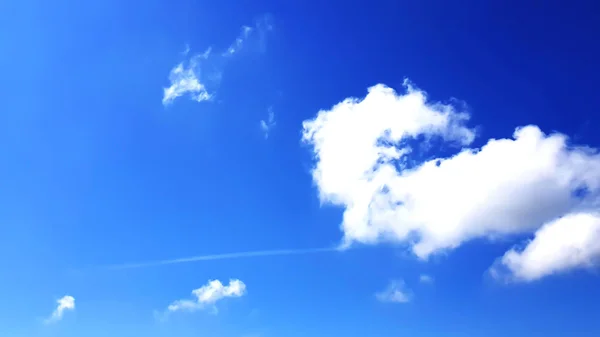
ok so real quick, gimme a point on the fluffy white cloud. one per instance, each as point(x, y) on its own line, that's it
point(508, 186)
point(395, 292)
point(268, 124)
point(64, 304)
point(570, 242)
point(424, 278)
point(209, 295)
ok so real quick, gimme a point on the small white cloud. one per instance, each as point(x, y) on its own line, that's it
point(268, 124)
point(184, 80)
point(508, 186)
point(396, 292)
point(571, 242)
point(186, 50)
point(64, 304)
point(239, 41)
point(200, 77)
point(424, 278)
point(209, 294)
point(254, 37)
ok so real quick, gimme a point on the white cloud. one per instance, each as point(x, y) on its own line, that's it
point(424, 278)
point(209, 294)
point(268, 124)
point(186, 50)
point(201, 75)
point(396, 292)
point(239, 41)
point(64, 304)
point(570, 242)
point(184, 80)
point(508, 186)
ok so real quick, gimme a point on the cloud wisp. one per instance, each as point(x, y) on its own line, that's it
point(513, 186)
point(266, 125)
point(424, 278)
point(185, 79)
point(239, 41)
point(208, 295)
point(226, 256)
point(395, 292)
point(199, 77)
point(66, 303)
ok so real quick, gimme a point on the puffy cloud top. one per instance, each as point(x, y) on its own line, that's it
point(508, 186)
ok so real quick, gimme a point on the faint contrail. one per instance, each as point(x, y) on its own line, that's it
point(224, 257)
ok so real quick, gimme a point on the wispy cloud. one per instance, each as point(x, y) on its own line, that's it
point(208, 295)
point(239, 41)
point(186, 50)
point(424, 278)
point(200, 76)
point(269, 123)
point(396, 292)
point(64, 304)
point(226, 256)
point(184, 80)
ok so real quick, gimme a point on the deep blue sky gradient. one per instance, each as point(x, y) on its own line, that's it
point(94, 170)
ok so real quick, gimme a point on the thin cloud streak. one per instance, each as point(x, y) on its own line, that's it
point(226, 256)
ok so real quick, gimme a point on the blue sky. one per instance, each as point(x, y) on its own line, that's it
point(394, 168)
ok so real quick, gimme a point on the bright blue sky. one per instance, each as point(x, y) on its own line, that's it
point(96, 171)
